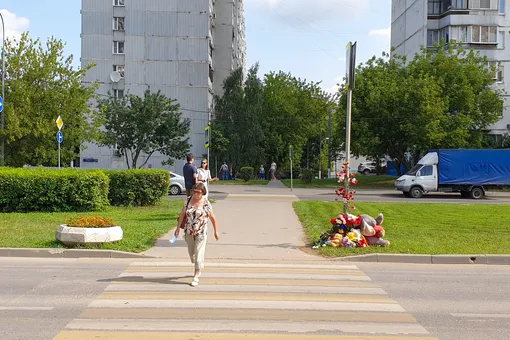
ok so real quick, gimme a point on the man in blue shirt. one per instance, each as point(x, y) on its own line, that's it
point(189, 171)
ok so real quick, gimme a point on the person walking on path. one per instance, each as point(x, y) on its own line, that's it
point(273, 171)
point(224, 171)
point(189, 171)
point(262, 172)
point(194, 218)
point(204, 176)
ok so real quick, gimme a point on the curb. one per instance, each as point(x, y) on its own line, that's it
point(491, 259)
point(67, 253)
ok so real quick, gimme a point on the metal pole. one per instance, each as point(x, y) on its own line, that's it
point(59, 155)
point(3, 86)
point(348, 145)
point(290, 155)
point(329, 143)
point(210, 137)
point(320, 154)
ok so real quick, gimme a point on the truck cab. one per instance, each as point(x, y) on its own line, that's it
point(422, 178)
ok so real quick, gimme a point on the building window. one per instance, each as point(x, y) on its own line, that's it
point(118, 47)
point(459, 4)
point(483, 4)
point(501, 6)
point(485, 34)
point(497, 67)
point(119, 3)
point(118, 93)
point(458, 34)
point(118, 24)
point(120, 69)
point(501, 39)
point(437, 7)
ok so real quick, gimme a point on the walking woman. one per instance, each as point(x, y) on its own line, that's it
point(196, 214)
point(204, 176)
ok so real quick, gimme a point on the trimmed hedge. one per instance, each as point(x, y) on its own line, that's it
point(246, 173)
point(52, 190)
point(137, 186)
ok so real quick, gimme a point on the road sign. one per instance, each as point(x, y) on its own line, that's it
point(1, 104)
point(350, 67)
point(60, 137)
point(60, 123)
point(207, 142)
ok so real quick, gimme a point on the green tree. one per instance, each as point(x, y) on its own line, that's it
point(237, 115)
point(135, 125)
point(42, 84)
point(444, 99)
point(256, 121)
point(295, 113)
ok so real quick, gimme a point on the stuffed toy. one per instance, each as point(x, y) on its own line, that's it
point(373, 231)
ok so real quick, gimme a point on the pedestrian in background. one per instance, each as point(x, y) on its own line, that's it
point(194, 219)
point(273, 171)
point(262, 172)
point(204, 176)
point(189, 171)
point(224, 171)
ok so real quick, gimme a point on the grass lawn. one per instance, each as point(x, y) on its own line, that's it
point(365, 182)
point(417, 228)
point(241, 182)
point(141, 226)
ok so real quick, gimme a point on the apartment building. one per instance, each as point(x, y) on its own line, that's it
point(483, 25)
point(184, 48)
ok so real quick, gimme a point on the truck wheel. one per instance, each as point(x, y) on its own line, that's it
point(477, 193)
point(366, 172)
point(416, 192)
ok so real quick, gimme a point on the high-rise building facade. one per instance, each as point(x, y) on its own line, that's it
point(482, 25)
point(185, 48)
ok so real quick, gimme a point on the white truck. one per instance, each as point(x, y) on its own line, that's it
point(469, 172)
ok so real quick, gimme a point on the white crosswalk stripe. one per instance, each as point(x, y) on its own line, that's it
point(154, 301)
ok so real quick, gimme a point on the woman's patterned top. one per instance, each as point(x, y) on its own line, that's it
point(197, 218)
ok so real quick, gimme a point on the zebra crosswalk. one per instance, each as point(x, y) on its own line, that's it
point(154, 301)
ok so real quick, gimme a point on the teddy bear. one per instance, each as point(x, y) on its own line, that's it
point(373, 231)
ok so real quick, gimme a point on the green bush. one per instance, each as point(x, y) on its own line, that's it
point(306, 175)
point(137, 186)
point(52, 190)
point(246, 173)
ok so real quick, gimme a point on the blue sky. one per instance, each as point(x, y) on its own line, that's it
point(306, 38)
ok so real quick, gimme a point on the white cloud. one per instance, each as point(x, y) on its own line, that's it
point(385, 33)
point(14, 25)
point(304, 13)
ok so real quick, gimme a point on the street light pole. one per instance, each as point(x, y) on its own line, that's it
point(3, 86)
point(329, 143)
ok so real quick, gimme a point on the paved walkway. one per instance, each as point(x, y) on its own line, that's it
point(258, 223)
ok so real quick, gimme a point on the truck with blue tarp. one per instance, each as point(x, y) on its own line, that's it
point(470, 172)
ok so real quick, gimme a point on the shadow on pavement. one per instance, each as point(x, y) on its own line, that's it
point(141, 279)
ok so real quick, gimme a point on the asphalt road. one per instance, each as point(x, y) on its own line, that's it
point(220, 193)
point(453, 302)
point(39, 297)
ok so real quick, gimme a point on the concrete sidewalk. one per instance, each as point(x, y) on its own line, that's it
point(257, 225)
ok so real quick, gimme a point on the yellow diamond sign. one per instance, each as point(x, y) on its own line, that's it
point(60, 123)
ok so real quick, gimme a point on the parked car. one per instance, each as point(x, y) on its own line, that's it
point(176, 184)
point(367, 168)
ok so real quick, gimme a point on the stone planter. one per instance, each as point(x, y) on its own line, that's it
point(71, 236)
